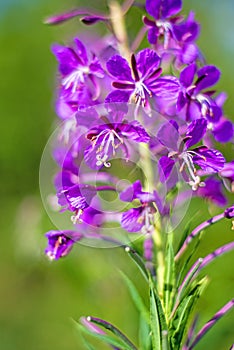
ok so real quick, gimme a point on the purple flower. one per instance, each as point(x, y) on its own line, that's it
point(223, 131)
point(227, 174)
point(198, 103)
point(213, 191)
point(209, 160)
point(60, 243)
point(140, 218)
point(141, 81)
point(165, 26)
point(77, 69)
point(107, 138)
point(76, 199)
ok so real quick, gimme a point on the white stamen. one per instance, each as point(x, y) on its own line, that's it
point(75, 78)
point(107, 142)
point(140, 93)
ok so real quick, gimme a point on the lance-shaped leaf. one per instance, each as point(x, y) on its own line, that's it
point(108, 326)
point(157, 320)
point(137, 299)
point(144, 334)
point(138, 261)
point(179, 322)
point(116, 343)
point(169, 277)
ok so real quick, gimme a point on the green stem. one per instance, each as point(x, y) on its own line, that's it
point(118, 26)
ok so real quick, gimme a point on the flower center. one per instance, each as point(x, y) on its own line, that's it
point(140, 93)
point(108, 141)
point(195, 180)
point(164, 30)
point(205, 105)
point(75, 78)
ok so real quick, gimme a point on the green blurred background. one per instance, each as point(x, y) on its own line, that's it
point(39, 300)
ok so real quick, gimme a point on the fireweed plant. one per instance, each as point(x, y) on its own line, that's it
point(145, 125)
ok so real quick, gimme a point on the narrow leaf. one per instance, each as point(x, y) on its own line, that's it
point(179, 323)
point(110, 327)
point(154, 322)
point(137, 299)
point(144, 335)
point(169, 278)
point(158, 320)
point(138, 261)
point(105, 338)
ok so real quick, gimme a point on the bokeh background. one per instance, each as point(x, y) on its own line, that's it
point(39, 300)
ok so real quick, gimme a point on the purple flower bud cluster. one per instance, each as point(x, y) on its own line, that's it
point(121, 109)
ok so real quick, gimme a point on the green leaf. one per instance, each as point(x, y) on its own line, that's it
point(179, 323)
point(104, 337)
point(144, 335)
point(86, 343)
point(137, 299)
point(110, 327)
point(154, 322)
point(186, 262)
point(169, 277)
point(138, 261)
point(157, 320)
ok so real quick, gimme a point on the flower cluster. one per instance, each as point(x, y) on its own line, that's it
point(124, 110)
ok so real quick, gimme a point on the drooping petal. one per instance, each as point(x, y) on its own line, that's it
point(119, 68)
point(133, 220)
point(189, 53)
point(152, 35)
point(168, 135)
point(134, 131)
point(79, 196)
point(96, 68)
point(166, 87)
point(81, 51)
point(163, 8)
point(210, 75)
point(196, 130)
point(181, 102)
point(170, 7)
point(118, 96)
point(165, 166)
point(210, 160)
point(186, 31)
point(187, 75)
point(223, 131)
point(60, 243)
point(66, 58)
point(147, 62)
point(213, 191)
point(130, 193)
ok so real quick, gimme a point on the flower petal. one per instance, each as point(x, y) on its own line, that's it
point(166, 87)
point(168, 135)
point(132, 220)
point(187, 75)
point(223, 131)
point(165, 166)
point(210, 75)
point(210, 160)
point(147, 62)
point(66, 57)
point(196, 130)
point(134, 131)
point(119, 68)
point(213, 191)
point(163, 8)
point(118, 96)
